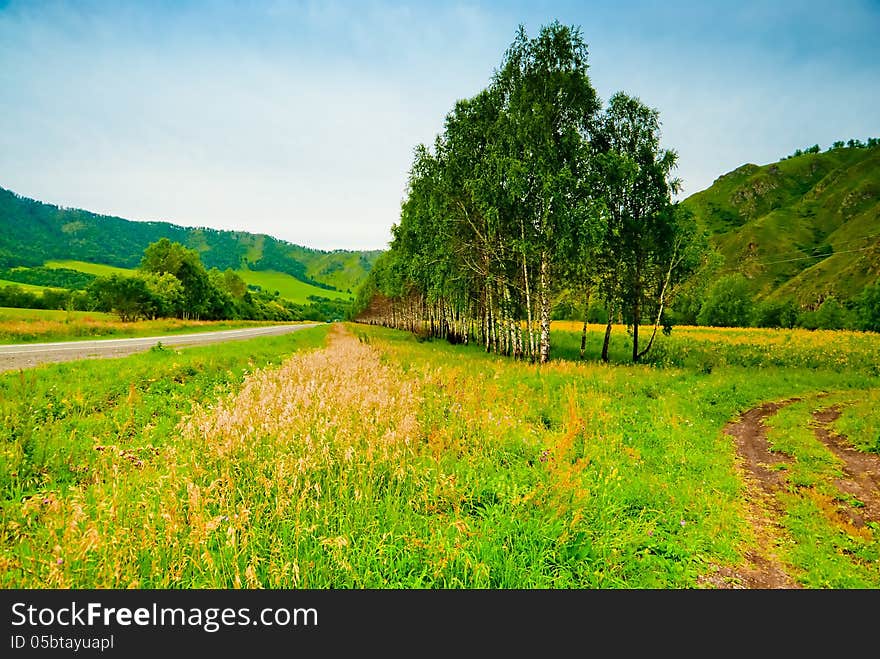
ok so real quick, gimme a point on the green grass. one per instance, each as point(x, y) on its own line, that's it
point(98, 269)
point(40, 325)
point(14, 313)
point(140, 398)
point(344, 271)
point(707, 348)
point(434, 466)
point(860, 421)
point(88, 329)
point(289, 287)
point(660, 499)
point(821, 544)
point(30, 288)
point(72, 430)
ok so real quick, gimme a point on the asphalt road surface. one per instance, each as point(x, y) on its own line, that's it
point(26, 355)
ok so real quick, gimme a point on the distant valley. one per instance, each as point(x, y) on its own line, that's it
point(800, 230)
point(33, 234)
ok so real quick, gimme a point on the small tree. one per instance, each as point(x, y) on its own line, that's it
point(776, 314)
point(167, 292)
point(649, 242)
point(128, 297)
point(868, 308)
point(728, 304)
point(832, 315)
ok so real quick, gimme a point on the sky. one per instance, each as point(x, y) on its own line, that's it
point(299, 119)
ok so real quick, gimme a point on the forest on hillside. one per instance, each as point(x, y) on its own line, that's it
point(170, 282)
point(33, 232)
point(536, 203)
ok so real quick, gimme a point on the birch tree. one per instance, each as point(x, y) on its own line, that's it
point(647, 243)
point(550, 106)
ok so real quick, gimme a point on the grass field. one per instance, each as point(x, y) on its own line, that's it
point(15, 314)
point(358, 457)
point(31, 288)
point(98, 269)
point(709, 347)
point(288, 287)
point(38, 325)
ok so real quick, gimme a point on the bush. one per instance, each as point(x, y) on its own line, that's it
point(728, 303)
point(776, 314)
point(867, 308)
point(830, 315)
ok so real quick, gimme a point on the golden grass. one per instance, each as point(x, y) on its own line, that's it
point(344, 394)
point(44, 329)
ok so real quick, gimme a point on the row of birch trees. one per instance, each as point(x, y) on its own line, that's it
point(532, 189)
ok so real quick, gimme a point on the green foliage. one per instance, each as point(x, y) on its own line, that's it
point(32, 232)
point(173, 283)
point(729, 303)
point(802, 229)
point(868, 308)
point(128, 297)
point(531, 197)
point(771, 313)
point(831, 314)
point(650, 244)
point(53, 277)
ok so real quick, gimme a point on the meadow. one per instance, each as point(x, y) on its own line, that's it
point(288, 287)
point(41, 325)
point(352, 456)
point(97, 269)
point(30, 288)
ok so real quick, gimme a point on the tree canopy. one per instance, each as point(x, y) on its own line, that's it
point(532, 190)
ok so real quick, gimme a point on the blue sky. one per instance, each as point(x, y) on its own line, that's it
point(299, 119)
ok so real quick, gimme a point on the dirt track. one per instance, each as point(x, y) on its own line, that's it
point(763, 569)
point(26, 355)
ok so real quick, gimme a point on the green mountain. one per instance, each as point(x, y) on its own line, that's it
point(803, 229)
point(33, 232)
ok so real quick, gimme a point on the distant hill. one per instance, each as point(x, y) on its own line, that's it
point(33, 232)
point(803, 229)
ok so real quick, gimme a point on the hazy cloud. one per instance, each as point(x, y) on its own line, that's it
point(298, 119)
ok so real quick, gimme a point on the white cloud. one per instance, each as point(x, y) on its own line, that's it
point(299, 119)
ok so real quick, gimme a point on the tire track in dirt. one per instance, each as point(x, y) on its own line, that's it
point(861, 480)
point(861, 470)
point(762, 569)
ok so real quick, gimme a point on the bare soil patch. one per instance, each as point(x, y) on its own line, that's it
point(757, 462)
point(762, 569)
point(862, 470)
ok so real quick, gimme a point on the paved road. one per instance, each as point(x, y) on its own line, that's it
point(26, 355)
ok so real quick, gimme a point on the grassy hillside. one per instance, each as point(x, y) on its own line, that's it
point(97, 269)
point(804, 229)
point(32, 288)
point(32, 232)
point(340, 269)
point(10, 314)
point(288, 287)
